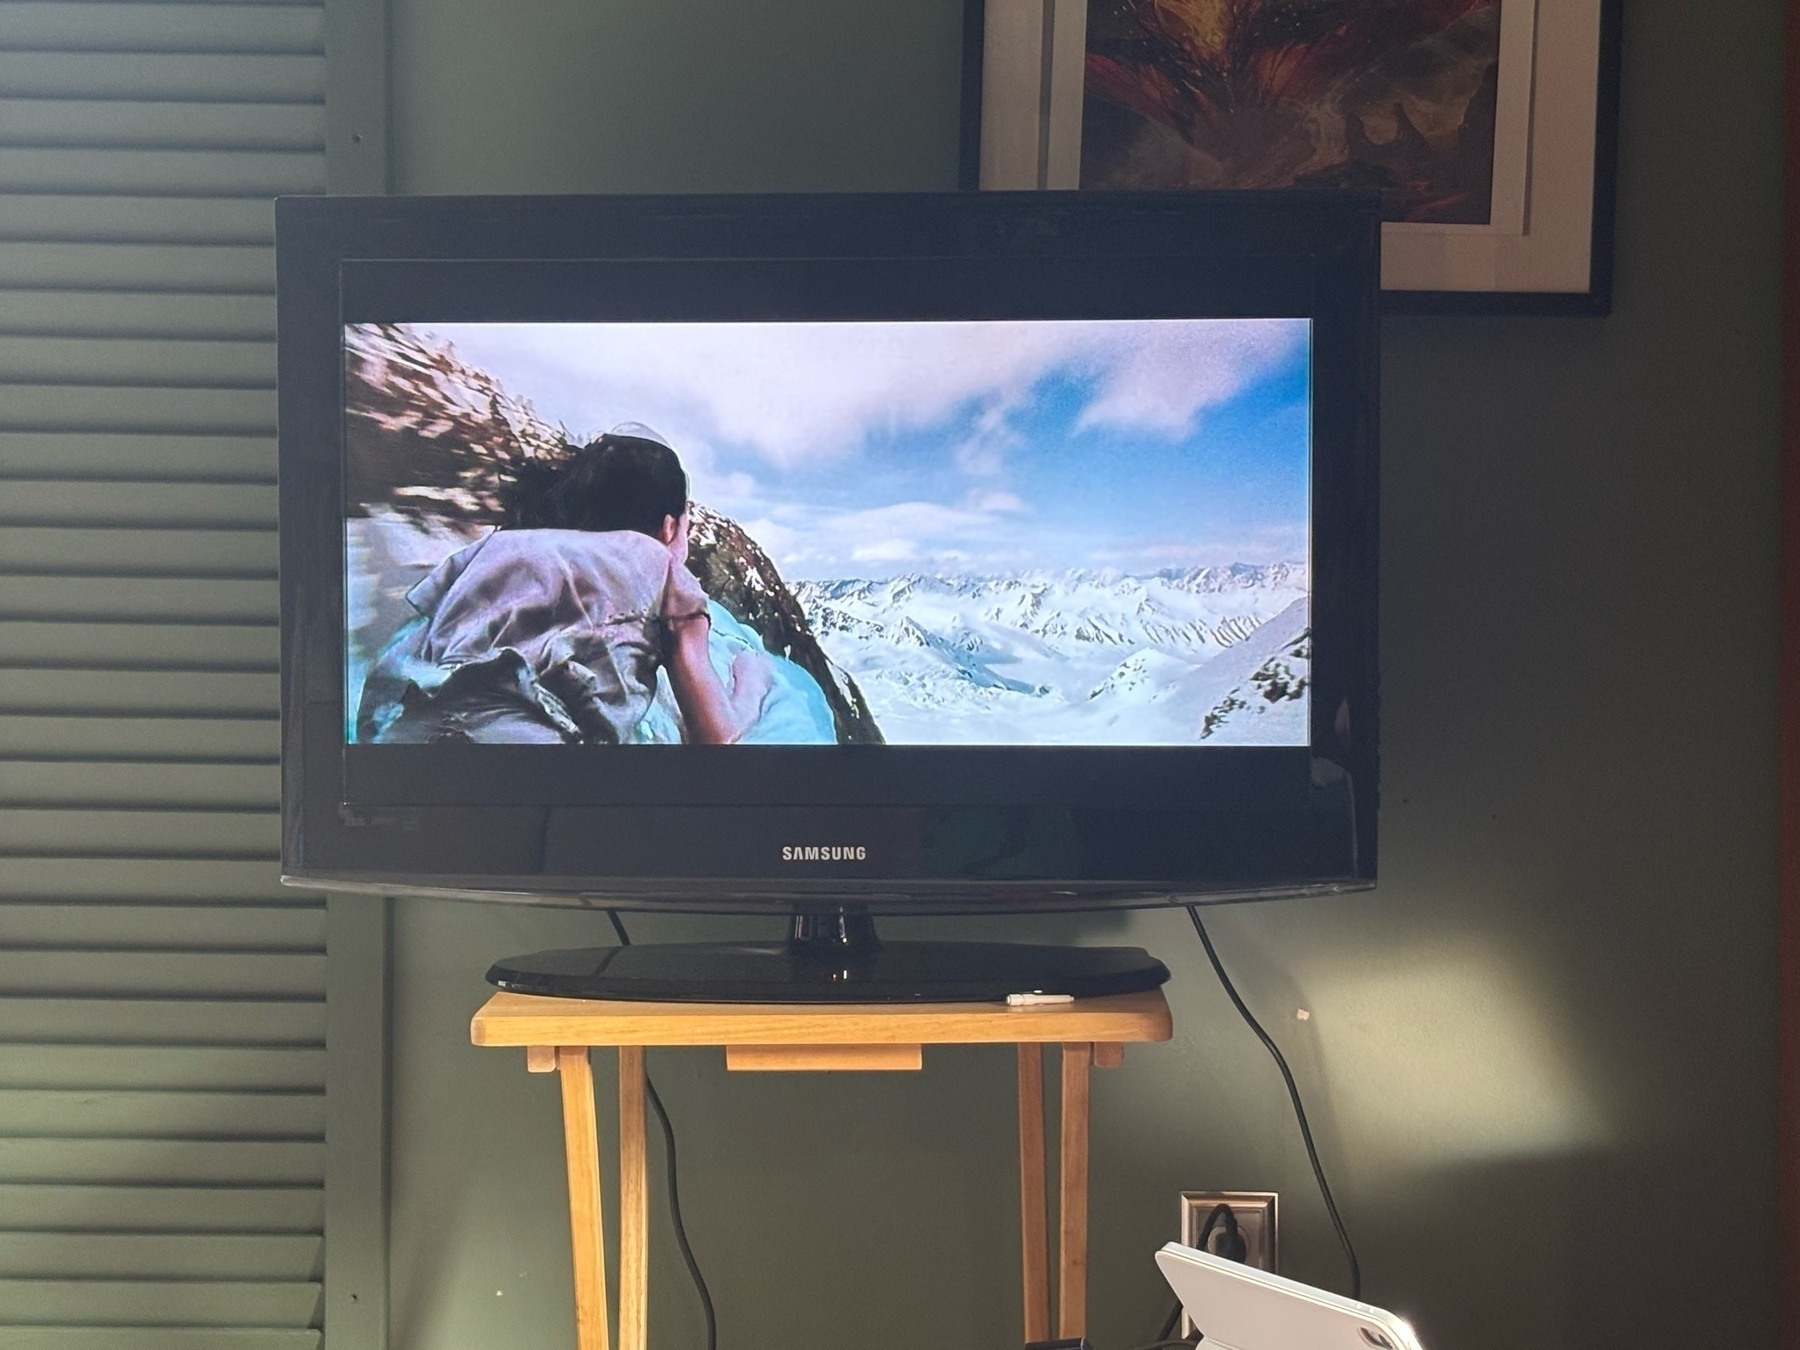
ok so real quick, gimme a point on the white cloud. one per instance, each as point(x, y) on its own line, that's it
point(886, 552)
point(1173, 372)
point(914, 535)
point(982, 454)
point(724, 491)
point(807, 393)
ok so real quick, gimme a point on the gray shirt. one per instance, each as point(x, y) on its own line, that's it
point(532, 635)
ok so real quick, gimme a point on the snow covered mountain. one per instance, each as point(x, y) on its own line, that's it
point(1215, 654)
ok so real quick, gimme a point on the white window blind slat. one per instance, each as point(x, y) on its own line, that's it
point(83, 1210)
point(160, 1162)
point(47, 501)
point(164, 1256)
point(175, 1068)
point(228, 173)
point(127, 833)
point(119, 784)
point(161, 125)
point(137, 600)
point(160, 1338)
point(242, 648)
point(170, 219)
point(110, 552)
point(219, 462)
point(165, 1302)
point(95, 25)
point(144, 1020)
point(39, 737)
point(75, 692)
point(181, 77)
point(234, 926)
point(136, 314)
point(138, 1113)
point(51, 265)
point(171, 362)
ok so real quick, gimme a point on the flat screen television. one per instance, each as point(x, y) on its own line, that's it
point(834, 554)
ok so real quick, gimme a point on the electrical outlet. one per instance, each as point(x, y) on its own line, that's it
point(1256, 1213)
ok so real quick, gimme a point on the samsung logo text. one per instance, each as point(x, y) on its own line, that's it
point(824, 853)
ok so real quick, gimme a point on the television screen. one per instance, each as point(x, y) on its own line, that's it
point(1030, 533)
point(934, 551)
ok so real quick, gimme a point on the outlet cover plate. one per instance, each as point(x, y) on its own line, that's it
point(1257, 1214)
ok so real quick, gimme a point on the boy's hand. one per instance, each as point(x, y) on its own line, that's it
point(751, 680)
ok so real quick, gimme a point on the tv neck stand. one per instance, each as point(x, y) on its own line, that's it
point(832, 933)
point(831, 955)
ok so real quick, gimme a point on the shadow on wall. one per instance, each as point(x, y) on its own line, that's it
point(1426, 1066)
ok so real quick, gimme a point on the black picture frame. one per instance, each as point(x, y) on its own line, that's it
point(1594, 301)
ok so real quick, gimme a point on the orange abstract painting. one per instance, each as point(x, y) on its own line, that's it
point(1395, 95)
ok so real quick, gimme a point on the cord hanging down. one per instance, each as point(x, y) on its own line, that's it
point(1287, 1076)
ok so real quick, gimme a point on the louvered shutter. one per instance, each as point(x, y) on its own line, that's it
point(162, 997)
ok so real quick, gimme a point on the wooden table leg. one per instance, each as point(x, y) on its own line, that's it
point(581, 1147)
point(634, 1204)
point(1034, 1233)
point(1072, 1253)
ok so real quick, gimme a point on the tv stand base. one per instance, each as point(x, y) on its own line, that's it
point(831, 956)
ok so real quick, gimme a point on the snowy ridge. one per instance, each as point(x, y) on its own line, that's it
point(1255, 694)
point(1075, 658)
point(1235, 629)
point(1237, 577)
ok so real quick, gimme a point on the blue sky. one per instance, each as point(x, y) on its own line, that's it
point(866, 450)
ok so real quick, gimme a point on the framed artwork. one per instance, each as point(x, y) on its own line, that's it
point(1488, 126)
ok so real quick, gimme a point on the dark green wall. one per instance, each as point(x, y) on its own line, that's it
point(1539, 1058)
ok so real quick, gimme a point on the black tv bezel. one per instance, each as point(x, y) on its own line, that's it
point(941, 827)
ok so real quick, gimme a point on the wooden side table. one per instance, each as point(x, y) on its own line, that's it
point(557, 1034)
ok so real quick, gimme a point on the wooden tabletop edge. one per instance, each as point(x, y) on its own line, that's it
point(521, 1020)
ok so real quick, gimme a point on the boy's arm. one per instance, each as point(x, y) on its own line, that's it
point(713, 715)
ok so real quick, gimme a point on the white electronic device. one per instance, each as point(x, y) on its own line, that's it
point(1237, 1307)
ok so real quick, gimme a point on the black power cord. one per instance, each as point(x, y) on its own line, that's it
point(1167, 1329)
point(1165, 1334)
point(1312, 1152)
point(668, 1132)
point(1234, 1250)
point(1234, 1247)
